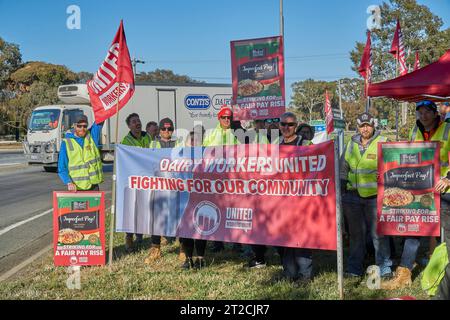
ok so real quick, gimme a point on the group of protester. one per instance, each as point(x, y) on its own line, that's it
point(80, 169)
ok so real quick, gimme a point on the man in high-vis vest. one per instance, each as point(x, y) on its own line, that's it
point(140, 139)
point(222, 135)
point(136, 137)
point(79, 162)
point(429, 127)
point(359, 183)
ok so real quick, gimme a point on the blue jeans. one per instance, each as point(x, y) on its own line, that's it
point(297, 263)
point(361, 214)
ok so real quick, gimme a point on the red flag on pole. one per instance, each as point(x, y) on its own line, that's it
point(113, 80)
point(398, 50)
point(328, 114)
point(417, 62)
point(365, 68)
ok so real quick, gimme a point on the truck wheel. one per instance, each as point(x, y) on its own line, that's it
point(50, 169)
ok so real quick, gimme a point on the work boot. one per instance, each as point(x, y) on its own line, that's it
point(154, 254)
point(182, 254)
point(401, 279)
point(129, 243)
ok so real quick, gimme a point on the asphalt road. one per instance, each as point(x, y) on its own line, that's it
point(25, 209)
point(11, 157)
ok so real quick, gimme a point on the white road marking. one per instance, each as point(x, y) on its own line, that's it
point(15, 225)
point(11, 164)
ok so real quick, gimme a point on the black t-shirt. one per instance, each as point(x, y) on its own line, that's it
point(296, 142)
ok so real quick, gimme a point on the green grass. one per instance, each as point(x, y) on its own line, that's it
point(224, 278)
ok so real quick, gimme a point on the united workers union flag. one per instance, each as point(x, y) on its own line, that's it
point(114, 81)
point(267, 194)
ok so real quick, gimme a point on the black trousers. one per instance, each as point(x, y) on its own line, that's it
point(443, 292)
point(189, 244)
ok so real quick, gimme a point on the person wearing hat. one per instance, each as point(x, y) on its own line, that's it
point(429, 127)
point(166, 129)
point(358, 175)
point(222, 135)
point(79, 161)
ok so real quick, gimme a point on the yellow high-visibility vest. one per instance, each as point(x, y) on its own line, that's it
point(85, 164)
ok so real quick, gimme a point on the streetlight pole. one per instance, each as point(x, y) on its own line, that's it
point(135, 61)
point(281, 19)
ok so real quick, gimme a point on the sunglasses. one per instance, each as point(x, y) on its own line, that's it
point(289, 124)
point(275, 120)
point(166, 129)
point(225, 118)
point(84, 126)
point(425, 103)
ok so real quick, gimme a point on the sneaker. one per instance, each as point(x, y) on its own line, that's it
point(387, 276)
point(199, 263)
point(188, 264)
point(254, 264)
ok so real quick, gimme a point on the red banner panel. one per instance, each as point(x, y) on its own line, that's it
point(407, 202)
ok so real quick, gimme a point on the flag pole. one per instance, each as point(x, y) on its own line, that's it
point(340, 252)
point(114, 179)
point(397, 107)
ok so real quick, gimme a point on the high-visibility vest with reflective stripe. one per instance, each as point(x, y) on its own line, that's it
point(142, 142)
point(85, 164)
point(440, 135)
point(154, 144)
point(220, 137)
point(363, 169)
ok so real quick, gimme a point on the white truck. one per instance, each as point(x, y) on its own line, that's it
point(183, 103)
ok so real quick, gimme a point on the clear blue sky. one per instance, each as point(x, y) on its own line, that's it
point(192, 37)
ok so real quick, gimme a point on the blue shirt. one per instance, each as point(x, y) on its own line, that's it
point(63, 160)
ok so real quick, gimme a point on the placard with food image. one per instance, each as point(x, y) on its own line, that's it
point(78, 228)
point(407, 202)
point(258, 78)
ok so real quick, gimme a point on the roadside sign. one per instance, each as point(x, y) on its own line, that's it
point(78, 228)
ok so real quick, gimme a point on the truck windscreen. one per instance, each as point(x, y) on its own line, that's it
point(46, 119)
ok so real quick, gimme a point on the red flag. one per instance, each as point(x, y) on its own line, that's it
point(114, 79)
point(365, 68)
point(328, 114)
point(398, 50)
point(417, 62)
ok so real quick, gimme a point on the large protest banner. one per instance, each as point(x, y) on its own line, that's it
point(257, 68)
point(79, 228)
point(274, 195)
point(407, 202)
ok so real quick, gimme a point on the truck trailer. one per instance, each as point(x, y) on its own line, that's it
point(186, 104)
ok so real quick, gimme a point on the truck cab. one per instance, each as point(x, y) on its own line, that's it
point(48, 125)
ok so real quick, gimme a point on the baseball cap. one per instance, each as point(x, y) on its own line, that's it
point(426, 103)
point(81, 118)
point(166, 123)
point(225, 111)
point(365, 118)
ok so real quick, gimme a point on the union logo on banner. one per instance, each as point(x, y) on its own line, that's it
point(113, 83)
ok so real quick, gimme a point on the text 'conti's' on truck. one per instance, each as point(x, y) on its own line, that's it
point(185, 104)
